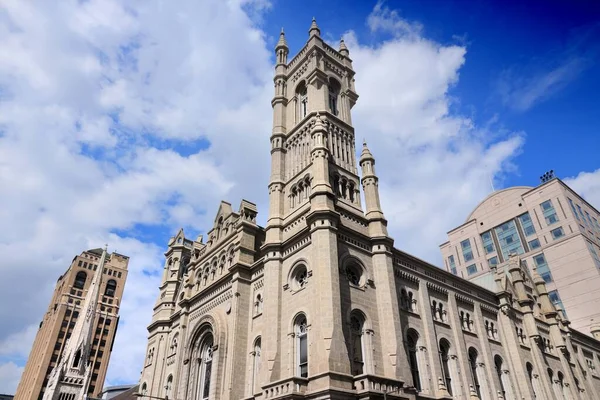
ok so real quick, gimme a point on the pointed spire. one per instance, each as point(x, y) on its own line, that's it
point(343, 49)
point(282, 42)
point(366, 154)
point(314, 29)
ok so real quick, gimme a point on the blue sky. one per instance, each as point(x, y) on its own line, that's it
point(121, 123)
point(512, 41)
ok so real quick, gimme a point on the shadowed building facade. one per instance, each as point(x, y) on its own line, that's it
point(319, 304)
point(551, 228)
point(65, 329)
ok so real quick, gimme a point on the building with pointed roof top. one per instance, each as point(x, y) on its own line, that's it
point(319, 304)
point(71, 351)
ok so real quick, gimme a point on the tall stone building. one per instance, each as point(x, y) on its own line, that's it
point(320, 305)
point(552, 228)
point(77, 331)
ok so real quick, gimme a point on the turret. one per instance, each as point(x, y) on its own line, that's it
point(282, 50)
point(370, 183)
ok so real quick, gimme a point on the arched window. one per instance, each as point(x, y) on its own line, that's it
point(219, 227)
point(356, 335)
point(144, 389)
point(258, 305)
point(301, 329)
point(334, 93)
point(111, 287)
point(561, 383)
point(498, 365)
point(529, 368)
point(80, 280)
point(168, 387)
point(302, 94)
point(473, 364)
point(444, 350)
point(205, 367)
point(411, 345)
point(77, 359)
point(174, 344)
point(256, 370)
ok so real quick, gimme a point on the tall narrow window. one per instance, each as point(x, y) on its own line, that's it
point(302, 95)
point(466, 250)
point(334, 92)
point(473, 365)
point(549, 212)
point(498, 364)
point(144, 389)
point(205, 368)
point(302, 346)
point(77, 359)
point(411, 343)
point(80, 280)
point(168, 387)
point(257, 355)
point(444, 349)
point(542, 268)
point(111, 287)
point(527, 224)
point(356, 334)
point(452, 264)
point(530, 376)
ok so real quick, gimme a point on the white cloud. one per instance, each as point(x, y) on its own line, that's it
point(96, 99)
point(587, 185)
point(10, 374)
point(521, 90)
point(434, 164)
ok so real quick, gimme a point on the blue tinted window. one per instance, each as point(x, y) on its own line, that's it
point(549, 212)
point(471, 269)
point(492, 262)
point(527, 224)
point(466, 249)
point(573, 208)
point(542, 268)
point(508, 239)
point(557, 233)
point(488, 242)
point(534, 244)
point(452, 264)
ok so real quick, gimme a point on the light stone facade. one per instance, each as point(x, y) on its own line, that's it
point(551, 228)
point(320, 305)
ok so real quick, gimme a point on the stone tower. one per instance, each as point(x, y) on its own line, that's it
point(315, 202)
point(70, 378)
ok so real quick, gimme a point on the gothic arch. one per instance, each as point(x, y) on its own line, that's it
point(215, 322)
point(297, 313)
point(347, 260)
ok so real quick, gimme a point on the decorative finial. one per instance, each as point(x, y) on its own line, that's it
point(106, 247)
point(314, 29)
point(281, 43)
point(343, 49)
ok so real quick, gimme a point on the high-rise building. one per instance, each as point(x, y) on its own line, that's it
point(551, 228)
point(66, 334)
point(319, 304)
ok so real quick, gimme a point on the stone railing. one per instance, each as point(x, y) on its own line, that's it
point(285, 387)
point(369, 383)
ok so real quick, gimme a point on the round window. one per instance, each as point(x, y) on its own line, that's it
point(354, 274)
point(300, 277)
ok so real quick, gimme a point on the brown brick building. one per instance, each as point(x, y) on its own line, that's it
point(60, 319)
